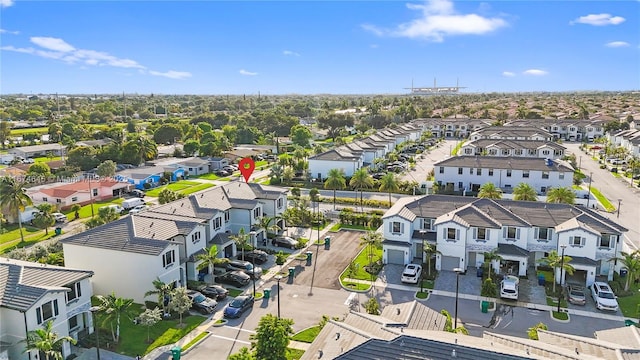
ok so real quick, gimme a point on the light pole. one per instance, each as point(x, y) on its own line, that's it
point(589, 194)
point(619, 202)
point(561, 273)
point(278, 277)
point(253, 266)
point(94, 310)
point(458, 271)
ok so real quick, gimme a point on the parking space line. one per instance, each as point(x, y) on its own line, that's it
point(350, 299)
point(230, 339)
point(239, 329)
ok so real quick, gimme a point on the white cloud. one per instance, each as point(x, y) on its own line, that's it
point(4, 31)
point(6, 3)
point(439, 20)
point(508, 74)
point(599, 20)
point(247, 73)
point(171, 74)
point(615, 44)
point(535, 72)
point(54, 44)
point(374, 46)
point(290, 53)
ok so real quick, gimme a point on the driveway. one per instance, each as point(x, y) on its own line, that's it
point(424, 161)
point(469, 283)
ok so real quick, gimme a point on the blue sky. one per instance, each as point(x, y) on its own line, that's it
point(313, 47)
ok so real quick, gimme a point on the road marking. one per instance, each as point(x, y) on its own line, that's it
point(231, 339)
point(239, 329)
point(350, 299)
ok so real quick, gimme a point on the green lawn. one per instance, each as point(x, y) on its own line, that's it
point(339, 226)
point(294, 354)
point(560, 315)
point(11, 239)
point(85, 211)
point(615, 174)
point(194, 341)
point(422, 295)
point(46, 159)
point(210, 176)
point(603, 200)
point(307, 335)
point(356, 286)
point(34, 130)
point(196, 188)
point(554, 302)
point(630, 305)
point(176, 186)
point(361, 261)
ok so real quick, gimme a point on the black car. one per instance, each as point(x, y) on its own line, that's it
point(236, 278)
point(239, 305)
point(214, 291)
point(201, 303)
point(255, 256)
point(137, 193)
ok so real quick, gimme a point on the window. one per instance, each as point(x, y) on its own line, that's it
point(505, 151)
point(478, 171)
point(490, 172)
point(196, 237)
point(45, 199)
point(519, 152)
point(227, 216)
point(459, 171)
point(169, 258)
point(543, 234)
point(467, 151)
point(441, 170)
point(73, 322)
point(47, 311)
point(59, 201)
point(480, 233)
point(397, 227)
point(607, 241)
point(493, 151)
point(95, 192)
point(511, 233)
point(545, 152)
point(257, 212)
point(427, 224)
point(471, 171)
point(217, 223)
point(280, 203)
point(525, 173)
point(543, 189)
point(74, 293)
point(509, 173)
point(74, 199)
point(576, 241)
point(545, 174)
point(450, 234)
point(561, 176)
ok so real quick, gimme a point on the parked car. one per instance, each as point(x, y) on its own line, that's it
point(214, 291)
point(603, 296)
point(236, 278)
point(255, 256)
point(138, 209)
point(223, 173)
point(509, 287)
point(575, 294)
point(28, 161)
point(245, 266)
point(411, 274)
point(117, 208)
point(137, 193)
point(285, 241)
point(238, 306)
point(59, 217)
point(201, 303)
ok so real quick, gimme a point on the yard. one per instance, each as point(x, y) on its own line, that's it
point(10, 237)
point(357, 270)
point(183, 186)
point(85, 211)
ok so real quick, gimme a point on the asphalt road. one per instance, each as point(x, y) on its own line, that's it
point(424, 161)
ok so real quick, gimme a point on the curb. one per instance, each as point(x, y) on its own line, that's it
point(415, 295)
point(196, 343)
point(560, 320)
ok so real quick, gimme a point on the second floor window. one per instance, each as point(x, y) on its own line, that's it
point(74, 293)
point(509, 173)
point(525, 173)
point(511, 233)
point(47, 311)
point(545, 174)
point(490, 172)
point(480, 233)
point(543, 234)
point(217, 223)
point(397, 227)
point(280, 203)
point(607, 241)
point(427, 224)
point(257, 212)
point(169, 258)
point(577, 241)
point(478, 171)
point(196, 237)
point(459, 171)
point(227, 216)
point(441, 170)
point(451, 234)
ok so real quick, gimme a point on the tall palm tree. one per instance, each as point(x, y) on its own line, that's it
point(114, 309)
point(562, 195)
point(264, 222)
point(429, 250)
point(524, 191)
point(389, 183)
point(632, 262)
point(371, 240)
point(45, 340)
point(335, 181)
point(361, 180)
point(556, 261)
point(44, 218)
point(162, 290)
point(13, 196)
point(241, 240)
point(490, 191)
point(491, 256)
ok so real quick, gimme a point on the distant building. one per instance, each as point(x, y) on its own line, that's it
point(515, 148)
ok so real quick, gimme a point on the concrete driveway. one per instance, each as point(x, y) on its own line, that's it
point(424, 161)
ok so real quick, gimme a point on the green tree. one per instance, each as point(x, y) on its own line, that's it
point(243, 354)
point(632, 262)
point(167, 195)
point(429, 250)
point(264, 222)
point(335, 181)
point(40, 169)
point(45, 340)
point(489, 288)
point(287, 175)
point(180, 302)
point(106, 169)
point(113, 309)
point(76, 210)
point(532, 333)
point(272, 337)
point(190, 147)
point(5, 132)
point(162, 290)
point(555, 261)
point(300, 135)
point(489, 191)
point(167, 134)
point(361, 180)
point(44, 218)
point(389, 183)
point(372, 240)
point(562, 195)
point(83, 157)
point(524, 191)
point(14, 198)
point(372, 307)
point(490, 257)
point(241, 239)
point(208, 259)
point(107, 214)
point(148, 318)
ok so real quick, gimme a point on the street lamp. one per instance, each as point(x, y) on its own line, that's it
point(619, 202)
point(94, 310)
point(589, 194)
point(278, 277)
point(458, 271)
point(561, 273)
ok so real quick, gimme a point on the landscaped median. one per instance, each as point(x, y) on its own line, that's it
point(185, 187)
point(356, 270)
point(603, 200)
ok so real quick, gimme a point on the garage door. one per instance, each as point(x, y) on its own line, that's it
point(450, 262)
point(395, 257)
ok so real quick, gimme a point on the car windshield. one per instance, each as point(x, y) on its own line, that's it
point(576, 293)
point(236, 303)
point(249, 267)
point(199, 298)
point(606, 295)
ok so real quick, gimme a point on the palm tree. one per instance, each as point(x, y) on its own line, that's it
point(241, 240)
point(632, 262)
point(14, 197)
point(490, 191)
point(389, 183)
point(556, 261)
point(163, 290)
point(114, 309)
point(371, 240)
point(361, 180)
point(44, 218)
point(264, 222)
point(76, 210)
point(562, 195)
point(287, 175)
point(490, 257)
point(46, 341)
point(209, 258)
point(524, 191)
point(335, 181)
point(429, 250)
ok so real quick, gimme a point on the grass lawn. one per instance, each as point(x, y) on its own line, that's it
point(615, 174)
point(133, 338)
point(196, 188)
point(560, 315)
point(45, 159)
point(210, 176)
point(11, 239)
point(630, 305)
point(422, 295)
point(294, 354)
point(234, 292)
point(34, 130)
point(194, 341)
point(176, 186)
point(307, 335)
point(603, 200)
point(85, 211)
point(356, 286)
point(427, 284)
point(339, 226)
point(361, 261)
point(554, 302)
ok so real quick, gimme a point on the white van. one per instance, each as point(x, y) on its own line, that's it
point(131, 203)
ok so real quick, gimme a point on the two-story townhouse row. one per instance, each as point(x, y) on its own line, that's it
point(459, 128)
point(32, 294)
point(512, 133)
point(515, 148)
point(469, 173)
point(627, 139)
point(566, 129)
point(522, 232)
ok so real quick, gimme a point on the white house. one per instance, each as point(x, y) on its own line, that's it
point(33, 294)
point(522, 232)
point(565, 129)
point(469, 173)
point(515, 148)
point(66, 194)
point(512, 133)
point(38, 150)
point(338, 158)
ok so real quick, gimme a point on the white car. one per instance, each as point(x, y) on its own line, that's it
point(138, 209)
point(509, 287)
point(28, 161)
point(60, 217)
point(117, 208)
point(411, 274)
point(603, 296)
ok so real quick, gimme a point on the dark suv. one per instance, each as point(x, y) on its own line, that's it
point(255, 256)
point(201, 303)
point(246, 267)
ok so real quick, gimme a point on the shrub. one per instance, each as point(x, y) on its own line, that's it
point(302, 242)
point(372, 307)
point(146, 186)
point(281, 257)
point(489, 289)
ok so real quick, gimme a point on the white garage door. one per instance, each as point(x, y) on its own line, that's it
point(450, 262)
point(395, 257)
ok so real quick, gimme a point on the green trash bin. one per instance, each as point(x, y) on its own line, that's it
point(58, 230)
point(485, 306)
point(267, 293)
point(309, 257)
point(292, 273)
point(176, 351)
point(327, 243)
point(629, 322)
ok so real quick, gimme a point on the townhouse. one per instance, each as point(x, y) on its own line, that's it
point(469, 173)
point(566, 129)
point(627, 139)
point(512, 133)
point(164, 242)
point(34, 293)
point(522, 232)
point(459, 128)
point(515, 148)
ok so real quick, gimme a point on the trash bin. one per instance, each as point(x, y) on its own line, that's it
point(479, 272)
point(623, 272)
point(484, 306)
point(176, 351)
point(541, 280)
point(629, 322)
point(267, 293)
point(327, 243)
point(58, 230)
point(309, 257)
point(292, 273)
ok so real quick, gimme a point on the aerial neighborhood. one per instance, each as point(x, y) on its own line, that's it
point(340, 227)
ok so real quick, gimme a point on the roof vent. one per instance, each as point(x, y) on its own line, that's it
point(201, 195)
point(174, 211)
point(153, 235)
point(453, 353)
point(151, 224)
point(182, 204)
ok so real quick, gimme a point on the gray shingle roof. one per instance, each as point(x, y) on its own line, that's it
point(23, 283)
point(506, 162)
point(338, 154)
point(513, 250)
point(514, 144)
